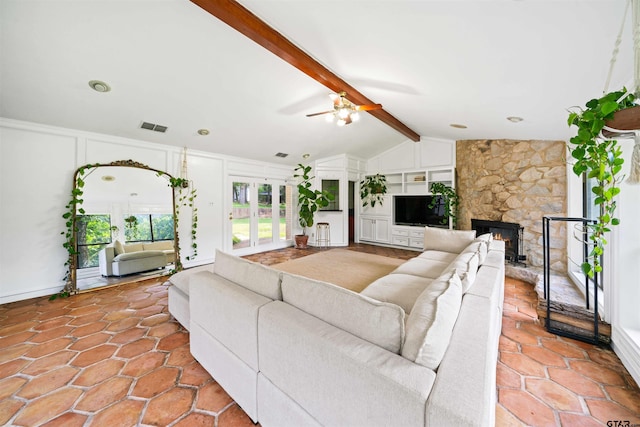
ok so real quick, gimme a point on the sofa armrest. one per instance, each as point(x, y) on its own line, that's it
point(464, 392)
point(105, 258)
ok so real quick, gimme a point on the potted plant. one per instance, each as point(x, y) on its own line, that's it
point(450, 200)
point(600, 158)
point(372, 190)
point(309, 201)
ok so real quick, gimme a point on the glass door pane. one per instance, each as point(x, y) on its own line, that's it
point(265, 214)
point(285, 211)
point(241, 215)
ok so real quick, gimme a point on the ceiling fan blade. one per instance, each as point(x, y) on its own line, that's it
point(318, 114)
point(369, 107)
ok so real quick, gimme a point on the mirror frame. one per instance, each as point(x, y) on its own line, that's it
point(71, 287)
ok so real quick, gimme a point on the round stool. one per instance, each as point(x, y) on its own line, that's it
point(323, 234)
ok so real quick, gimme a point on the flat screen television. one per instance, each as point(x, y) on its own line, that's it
point(415, 210)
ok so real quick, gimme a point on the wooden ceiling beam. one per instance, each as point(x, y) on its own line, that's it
point(241, 19)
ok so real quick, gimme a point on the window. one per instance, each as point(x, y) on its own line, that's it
point(94, 233)
point(332, 186)
point(149, 227)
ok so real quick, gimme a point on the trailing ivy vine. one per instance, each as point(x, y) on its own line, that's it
point(450, 200)
point(186, 197)
point(74, 205)
point(601, 159)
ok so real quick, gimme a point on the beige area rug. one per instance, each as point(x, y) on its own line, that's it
point(348, 269)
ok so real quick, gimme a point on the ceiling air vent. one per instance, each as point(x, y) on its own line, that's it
point(154, 127)
point(281, 155)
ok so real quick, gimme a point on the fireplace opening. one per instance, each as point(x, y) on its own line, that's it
point(511, 233)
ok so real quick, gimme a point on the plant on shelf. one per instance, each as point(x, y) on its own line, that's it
point(372, 190)
point(601, 159)
point(450, 201)
point(309, 201)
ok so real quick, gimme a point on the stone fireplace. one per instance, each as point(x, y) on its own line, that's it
point(515, 182)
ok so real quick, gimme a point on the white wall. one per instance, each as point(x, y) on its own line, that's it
point(625, 272)
point(428, 153)
point(621, 264)
point(37, 164)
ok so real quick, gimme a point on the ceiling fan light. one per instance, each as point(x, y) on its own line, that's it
point(341, 122)
point(355, 117)
point(343, 113)
point(329, 118)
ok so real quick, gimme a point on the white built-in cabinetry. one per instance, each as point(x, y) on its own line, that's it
point(377, 223)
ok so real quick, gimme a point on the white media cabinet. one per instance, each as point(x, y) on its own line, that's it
point(377, 224)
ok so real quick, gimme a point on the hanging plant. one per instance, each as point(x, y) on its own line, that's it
point(601, 159)
point(450, 200)
point(372, 190)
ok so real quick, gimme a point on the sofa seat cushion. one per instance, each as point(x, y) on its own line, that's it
point(251, 275)
point(433, 255)
point(181, 279)
point(421, 267)
point(399, 289)
point(442, 239)
point(128, 256)
point(430, 323)
point(378, 322)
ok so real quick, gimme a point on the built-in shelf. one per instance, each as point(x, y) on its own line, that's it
point(418, 182)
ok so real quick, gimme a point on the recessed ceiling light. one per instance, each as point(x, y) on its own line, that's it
point(306, 156)
point(458, 126)
point(515, 119)
point(99, 86)
point(108, 178)
point(203, 132)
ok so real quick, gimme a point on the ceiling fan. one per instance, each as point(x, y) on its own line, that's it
point(344, 110)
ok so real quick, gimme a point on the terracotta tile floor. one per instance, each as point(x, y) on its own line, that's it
point(115, 357)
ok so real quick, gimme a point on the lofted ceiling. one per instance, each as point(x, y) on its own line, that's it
point(429, 63)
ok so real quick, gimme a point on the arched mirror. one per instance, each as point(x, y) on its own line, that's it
point(120, 225)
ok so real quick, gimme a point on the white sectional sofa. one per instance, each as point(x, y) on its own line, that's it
point(119, 259)
point(417, 347)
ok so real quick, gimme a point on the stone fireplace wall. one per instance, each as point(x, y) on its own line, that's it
point(516, 181)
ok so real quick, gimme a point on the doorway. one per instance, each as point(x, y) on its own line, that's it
point(261, 214)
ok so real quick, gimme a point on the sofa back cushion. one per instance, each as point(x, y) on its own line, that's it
point(253, 276)
point(380, 323)
point(431, 321)
point(442, 239)
point(479, 247)
point(162, 245)
point(466, 266)
point(118, 247)
point(133, 247)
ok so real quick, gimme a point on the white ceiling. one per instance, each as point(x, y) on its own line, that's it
point(430, 63)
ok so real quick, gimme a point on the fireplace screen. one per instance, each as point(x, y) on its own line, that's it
point(509, 232)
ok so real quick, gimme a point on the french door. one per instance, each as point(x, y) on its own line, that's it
point(261, 214)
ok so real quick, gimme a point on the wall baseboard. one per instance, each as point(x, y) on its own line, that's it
point(626, 344)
